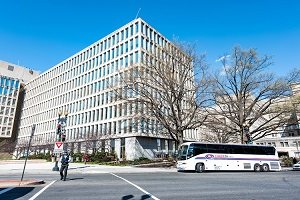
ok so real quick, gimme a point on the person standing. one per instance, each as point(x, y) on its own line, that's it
point(64, 160)
point(294, 160)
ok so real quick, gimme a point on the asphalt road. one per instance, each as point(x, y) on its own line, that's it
point(161, 186)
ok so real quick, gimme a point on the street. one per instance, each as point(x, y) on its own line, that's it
point(156, 184)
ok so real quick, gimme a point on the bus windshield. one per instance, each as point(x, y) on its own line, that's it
point(182, 152)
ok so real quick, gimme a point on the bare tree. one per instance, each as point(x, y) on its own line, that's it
point(95, 142)
point(248, 99)
point(168, 87)
point(7, 146)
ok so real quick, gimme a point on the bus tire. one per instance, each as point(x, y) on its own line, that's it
point(265, 167)
point(200, 167)
point(257, 167)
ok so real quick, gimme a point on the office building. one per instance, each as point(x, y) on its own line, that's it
point(11, 79)
point(80, 87)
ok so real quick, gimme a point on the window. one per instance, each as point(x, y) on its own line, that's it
point(136, 27)
point(11, 68)
point(286, 144)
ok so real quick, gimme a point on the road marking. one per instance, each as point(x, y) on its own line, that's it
point(42, 190)
point(141, 189)
point(5, 190)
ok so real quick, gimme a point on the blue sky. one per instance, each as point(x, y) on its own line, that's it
point(41, 33)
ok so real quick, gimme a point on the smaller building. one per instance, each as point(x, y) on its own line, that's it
point(287, 141)
point(11, 79)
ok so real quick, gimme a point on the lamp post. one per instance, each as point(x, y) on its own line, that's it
point(60, 134)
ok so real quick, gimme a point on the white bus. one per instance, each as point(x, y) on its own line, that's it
point(202, 157)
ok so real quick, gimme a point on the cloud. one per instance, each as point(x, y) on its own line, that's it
point(222, 58)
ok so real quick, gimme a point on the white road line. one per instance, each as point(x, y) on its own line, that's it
point(42, 190)
point(5, 190)
point(141, 189)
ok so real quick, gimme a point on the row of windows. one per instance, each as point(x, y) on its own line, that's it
point(114, 127)
point(5, 131)
point(7, 111)
point(73, 102)
point(124, 33)
point(95, 115)
point(9, 82)
point(281, 144)
point(116, 37)
point(7, 101)
point(7, 121)
point(8, 91)
point(82, 80)
point(123, 61)
point(148, 32)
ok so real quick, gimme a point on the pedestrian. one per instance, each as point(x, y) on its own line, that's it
point(85, 158)
point(294, 160)
point(64, 160)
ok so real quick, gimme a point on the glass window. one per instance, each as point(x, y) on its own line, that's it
point(130, 30)
point(131, 44)
point(126, 47)
point(136, 27)
point(126, 33)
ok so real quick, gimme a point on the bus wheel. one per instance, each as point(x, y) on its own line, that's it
point(200, 167)
point(257, 167)
point(265, 167)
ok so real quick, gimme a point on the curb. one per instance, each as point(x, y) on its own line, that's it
point(156, 165)
point(17, 183)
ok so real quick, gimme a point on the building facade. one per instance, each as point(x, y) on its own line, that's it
point(11, 79)
point(81, 86)
point(287, 140)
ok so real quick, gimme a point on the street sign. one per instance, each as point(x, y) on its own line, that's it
point(58, 147)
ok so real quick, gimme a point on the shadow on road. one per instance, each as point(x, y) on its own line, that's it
point(70, 168)
point(16, 193)
point(72, 179)
point(130, 196)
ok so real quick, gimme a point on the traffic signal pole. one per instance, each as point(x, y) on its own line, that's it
point(60, 135)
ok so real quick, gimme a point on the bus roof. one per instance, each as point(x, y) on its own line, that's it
point(188, 143)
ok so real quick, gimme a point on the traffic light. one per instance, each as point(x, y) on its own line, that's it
point(58, 130)
point(249, 138)
point(63, 137)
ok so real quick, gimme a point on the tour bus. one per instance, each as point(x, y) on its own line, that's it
point(202, 157)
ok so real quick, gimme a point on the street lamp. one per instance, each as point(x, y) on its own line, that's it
point(61, 133)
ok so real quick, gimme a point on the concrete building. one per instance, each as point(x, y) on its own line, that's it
point(12, 77)
point(80, 87)
point(287, 140)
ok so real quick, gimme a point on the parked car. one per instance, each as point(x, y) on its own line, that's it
point(296, 166)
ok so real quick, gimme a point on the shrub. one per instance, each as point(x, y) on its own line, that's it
point(99, 157)
point(77, 157)
point(141, 160)
point(286, 161)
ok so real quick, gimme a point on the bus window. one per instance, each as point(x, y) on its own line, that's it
point(199, 149)
point(216, 148)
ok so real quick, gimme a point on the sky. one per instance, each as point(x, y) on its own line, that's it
point(39, 34)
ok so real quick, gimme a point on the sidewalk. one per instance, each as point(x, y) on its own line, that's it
point(17, 183)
